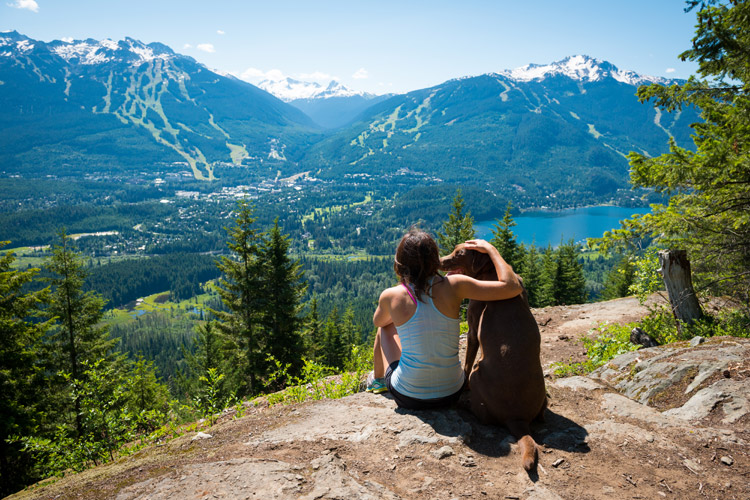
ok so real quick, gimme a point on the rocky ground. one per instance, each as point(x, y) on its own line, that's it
point(665, 422)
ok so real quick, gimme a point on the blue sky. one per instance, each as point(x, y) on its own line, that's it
point(384, 46)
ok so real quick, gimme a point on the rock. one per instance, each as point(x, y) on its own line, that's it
point(639, 337)
point(466, 461)
point(444, 452)
point(732, 396)
point(650, 375)
point(577, 382)
point(558, 462)
point(202, 435)
point(266, 478)
point(727, 460)
point(696, 341)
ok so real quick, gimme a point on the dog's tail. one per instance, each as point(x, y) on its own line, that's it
point(521, 431)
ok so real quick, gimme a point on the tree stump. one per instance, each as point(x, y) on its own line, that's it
point(675, 269)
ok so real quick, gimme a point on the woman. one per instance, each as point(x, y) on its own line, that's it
point(418, 325)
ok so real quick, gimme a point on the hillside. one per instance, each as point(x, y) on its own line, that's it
point(558, 131)
point(533, 132)
point(88, 106)
point(596, 443)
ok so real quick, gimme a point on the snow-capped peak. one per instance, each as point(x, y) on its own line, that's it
point(582, 68)
point(98, 52)
point(289, 89)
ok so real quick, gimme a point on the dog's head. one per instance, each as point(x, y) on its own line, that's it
point(466, 261)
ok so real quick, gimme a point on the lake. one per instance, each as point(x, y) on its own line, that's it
point(561, 225)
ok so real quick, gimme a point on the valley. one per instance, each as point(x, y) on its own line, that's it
point(143, 154)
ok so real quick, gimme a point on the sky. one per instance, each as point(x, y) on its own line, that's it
point(379, 47)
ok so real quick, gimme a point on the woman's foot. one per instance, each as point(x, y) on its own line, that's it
point(375, 385)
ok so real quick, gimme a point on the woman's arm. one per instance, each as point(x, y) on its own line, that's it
point(507, 286)
point(382, 316)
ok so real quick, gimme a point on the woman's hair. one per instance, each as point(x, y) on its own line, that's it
point(417, 259)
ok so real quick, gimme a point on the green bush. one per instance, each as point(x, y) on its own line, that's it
point(318, 381)
point(613, 340)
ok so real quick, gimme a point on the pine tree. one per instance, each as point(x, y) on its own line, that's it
point(458, 228)
point(314, 333)
point(242, 290)
point(618, 280)
point(281, 321)
point(708, 213)
point(78, 337)
point(570, 284)
point(147, 398)
point(505, 241)
point(208, 361)
point(21, 404)
point(532, 276)
point(546, 296)
point(349, 330)
point(335, 345)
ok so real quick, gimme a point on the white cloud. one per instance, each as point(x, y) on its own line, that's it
point(25, 4)
point(206, 47)
point(361, 74)
point(670, 70)
point(187, 46)
point(255, 75)
point(67, 39)
point(220, 32)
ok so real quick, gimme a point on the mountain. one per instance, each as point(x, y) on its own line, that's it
point(331, 106)
point(534, 132)
point(69, 106)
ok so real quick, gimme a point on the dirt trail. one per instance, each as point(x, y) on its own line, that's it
point(595, 443)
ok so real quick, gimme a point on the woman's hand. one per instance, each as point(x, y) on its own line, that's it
point(480, 246)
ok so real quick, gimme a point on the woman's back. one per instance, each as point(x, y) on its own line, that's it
point(429, 366)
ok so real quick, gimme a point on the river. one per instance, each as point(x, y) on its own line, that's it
point(560, 225)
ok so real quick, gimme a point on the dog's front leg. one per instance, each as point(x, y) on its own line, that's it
point(473, 315)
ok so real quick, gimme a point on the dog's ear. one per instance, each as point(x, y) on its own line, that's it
point(480, 262)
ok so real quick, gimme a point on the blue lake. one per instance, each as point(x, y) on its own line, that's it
point(555, 226)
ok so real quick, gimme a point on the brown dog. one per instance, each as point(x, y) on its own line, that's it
point(507, 384)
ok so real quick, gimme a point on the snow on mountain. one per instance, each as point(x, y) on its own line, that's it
point(581, 67)
point(289, 89)
point(99, 52)
point(87, 52)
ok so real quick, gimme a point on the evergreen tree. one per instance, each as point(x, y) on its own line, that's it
point(349, 330)
point(147, 398)
point(708, 213)
point(335, 344)
point(546, 296)
point(78, 337)
point(21, 405)
point(207, 362)
point(619, 278)
point(281, 319)
point(243, 292)
point(570, 284)
point(314, 333)
point(458, 228)
point(505, 241)
point(532, 276)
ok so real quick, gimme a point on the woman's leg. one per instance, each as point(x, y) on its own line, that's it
point(386, 350)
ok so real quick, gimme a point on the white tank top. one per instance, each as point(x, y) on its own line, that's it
point(429, 366)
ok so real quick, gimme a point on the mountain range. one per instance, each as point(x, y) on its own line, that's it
point(86, 104)
point(331, 106)
point(539, 130)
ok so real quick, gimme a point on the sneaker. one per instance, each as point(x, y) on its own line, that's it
point(375, 385)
